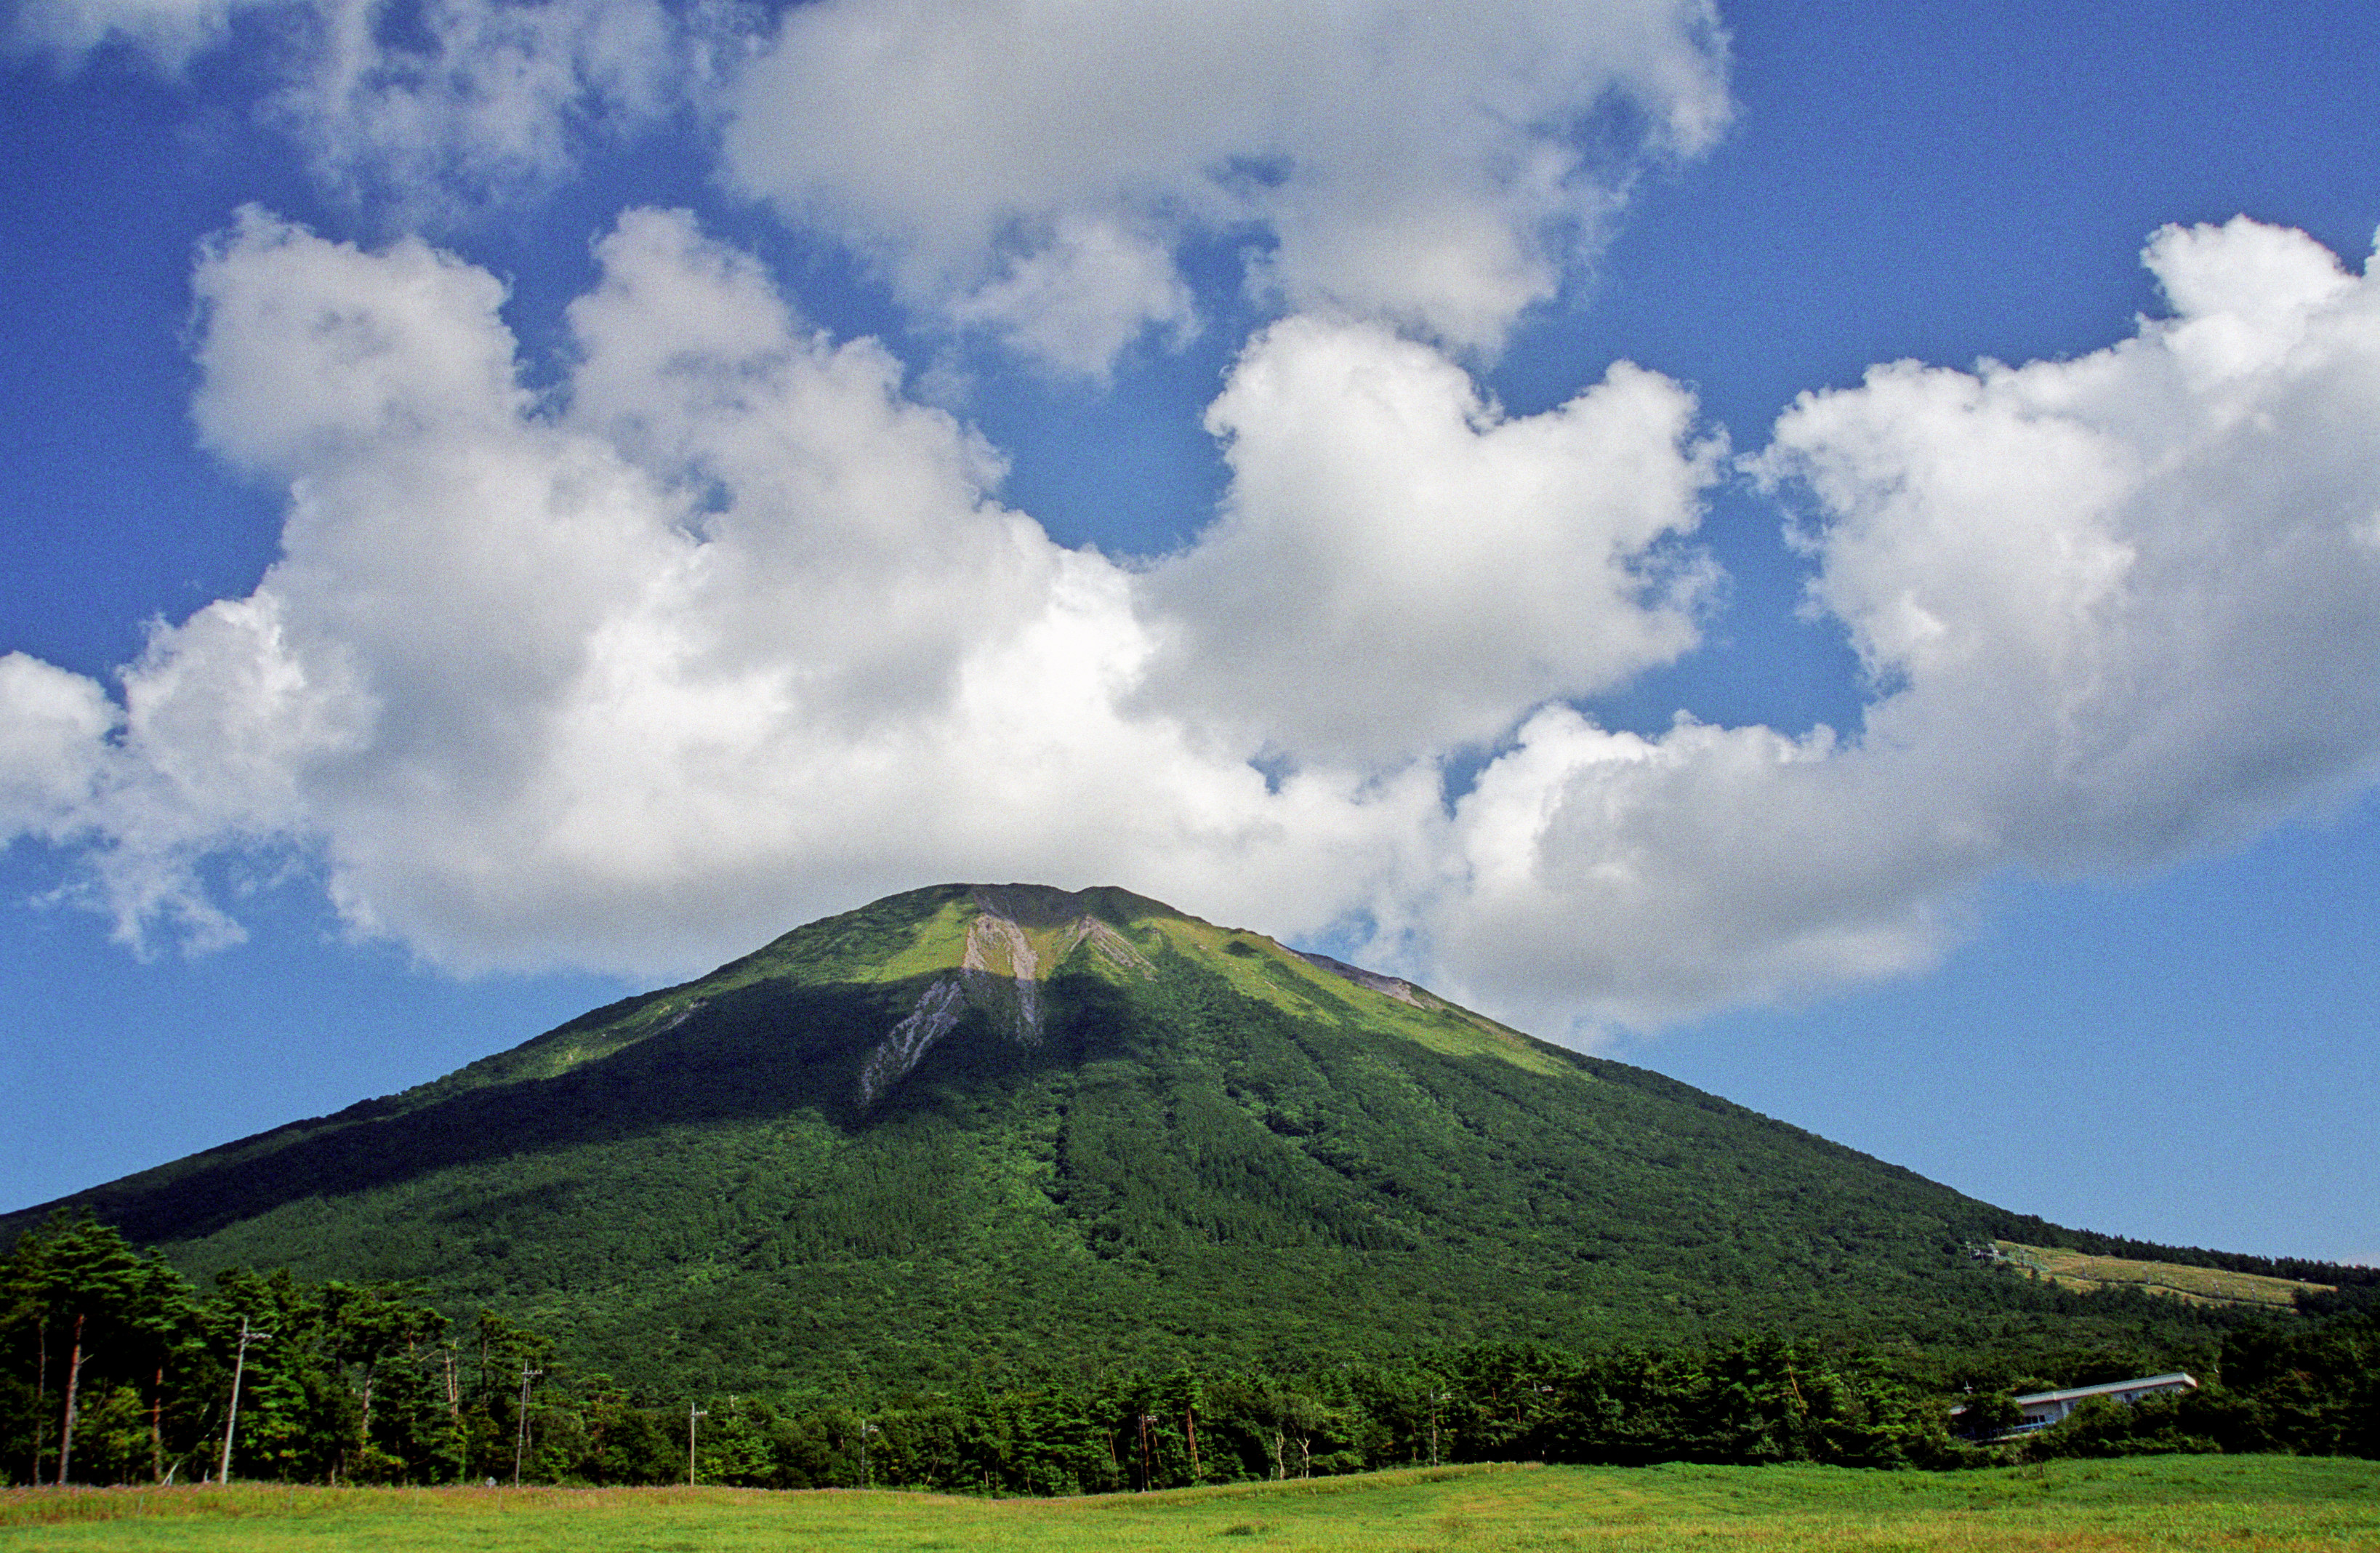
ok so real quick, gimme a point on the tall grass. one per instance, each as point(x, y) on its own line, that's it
point(2255, 1504)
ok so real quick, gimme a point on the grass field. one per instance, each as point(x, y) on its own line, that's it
point(2074, 1270)
point(2257, 1504)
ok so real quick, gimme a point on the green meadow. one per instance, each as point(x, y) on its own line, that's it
point(2246, 1503)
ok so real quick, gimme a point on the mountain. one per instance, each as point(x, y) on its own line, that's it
point(990, 1131)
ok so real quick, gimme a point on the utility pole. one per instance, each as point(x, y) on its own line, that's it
point(866, 1429)
point(520, 1435)
point(231, 1414)
point(1436, 1398)
point(692, 1412)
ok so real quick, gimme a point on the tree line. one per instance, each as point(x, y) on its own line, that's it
point(119, 1370)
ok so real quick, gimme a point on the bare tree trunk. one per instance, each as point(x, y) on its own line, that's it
point(74, 1379)
point(156, 1427)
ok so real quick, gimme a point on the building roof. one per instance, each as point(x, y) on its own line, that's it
point(2172, 1381)
point(2074, 1394)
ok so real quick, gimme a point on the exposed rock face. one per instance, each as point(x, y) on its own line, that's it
point(681, 1016)
point(1397, 988)
point(1107, 943)
point(1001, 969)
point(1000, 972)
point(936, 1011)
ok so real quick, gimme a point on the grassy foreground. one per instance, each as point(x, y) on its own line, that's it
point(2255, 1503)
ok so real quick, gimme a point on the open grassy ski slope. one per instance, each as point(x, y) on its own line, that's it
point(2219, 1286)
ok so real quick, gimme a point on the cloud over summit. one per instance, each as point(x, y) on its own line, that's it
point(730, 630)
point(724, 625)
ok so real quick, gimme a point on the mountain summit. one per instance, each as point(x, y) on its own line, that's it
point(976, 1130)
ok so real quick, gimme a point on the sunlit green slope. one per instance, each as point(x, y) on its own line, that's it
point(982, 1130)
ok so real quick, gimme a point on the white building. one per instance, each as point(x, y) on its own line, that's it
point(2041, 1409)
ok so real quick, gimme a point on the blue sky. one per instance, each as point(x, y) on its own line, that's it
point(512, 504)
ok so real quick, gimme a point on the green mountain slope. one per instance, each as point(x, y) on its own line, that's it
point(980, 1131)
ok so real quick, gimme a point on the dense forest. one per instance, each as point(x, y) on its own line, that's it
point(119, 1370)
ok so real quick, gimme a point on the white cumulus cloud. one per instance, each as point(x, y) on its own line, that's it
point(477, 99)
point(1400, 568)
point(2118, 610)
point(1032, 167)
point(726, 630)
point(1037, 170)
point(730, 634)
point(429, 110)
point(52, 745)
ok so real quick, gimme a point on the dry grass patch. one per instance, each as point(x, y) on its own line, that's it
point(2074, 1270)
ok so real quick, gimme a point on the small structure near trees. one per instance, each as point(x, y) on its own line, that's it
point(2004, 1416)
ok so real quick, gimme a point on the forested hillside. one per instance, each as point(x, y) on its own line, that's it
point(970, 1135)
point(116, 1369)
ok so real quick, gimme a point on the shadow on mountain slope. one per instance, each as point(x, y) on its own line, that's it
point(770, 1049)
